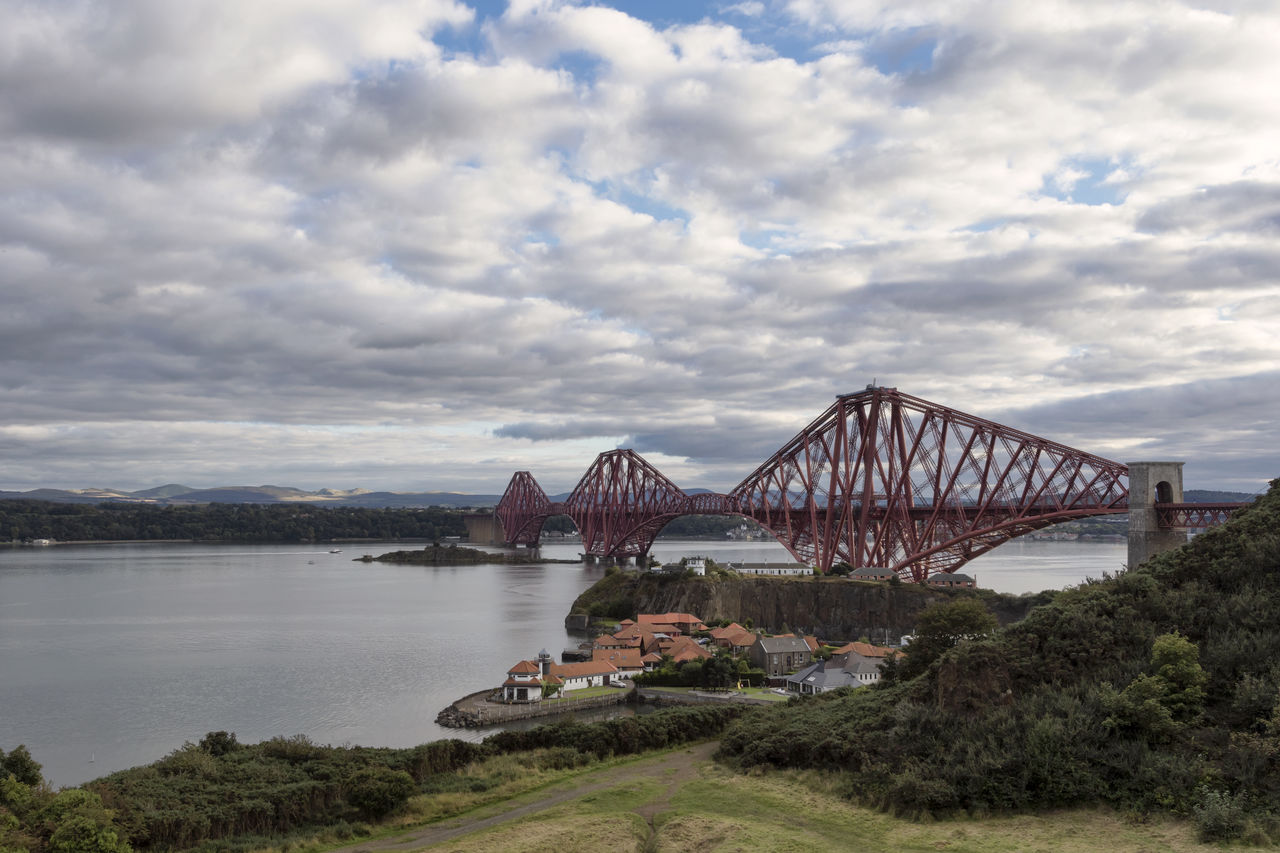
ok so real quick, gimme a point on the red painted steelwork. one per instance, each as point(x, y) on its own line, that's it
point(621, 503)
point(523, 510)
point(1195, 515)
point(879, 479)
point(889, 480)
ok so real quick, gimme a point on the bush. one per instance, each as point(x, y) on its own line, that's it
point(378, 791)
point(219, 743)
point(1219, 816)
point(562, 758)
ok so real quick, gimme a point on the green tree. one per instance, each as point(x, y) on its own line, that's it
point(1157, 704)
point(20, 765)
point(719, 671)
point(219, 743)
point(942, 626)
point(82, 834)
point(1176, 661)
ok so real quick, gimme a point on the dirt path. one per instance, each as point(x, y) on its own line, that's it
point(677, 767)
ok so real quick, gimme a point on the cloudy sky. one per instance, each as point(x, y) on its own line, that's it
point(420, 244)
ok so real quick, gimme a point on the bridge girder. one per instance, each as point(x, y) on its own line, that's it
point(880, 479)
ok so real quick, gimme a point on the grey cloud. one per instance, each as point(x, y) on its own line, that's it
point(562, 431)
point(1248, 207)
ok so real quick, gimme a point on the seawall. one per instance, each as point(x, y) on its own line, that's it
point(474, 710)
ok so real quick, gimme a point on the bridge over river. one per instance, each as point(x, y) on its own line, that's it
point(880, 479)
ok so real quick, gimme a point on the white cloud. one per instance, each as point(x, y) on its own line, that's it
point(272, 224)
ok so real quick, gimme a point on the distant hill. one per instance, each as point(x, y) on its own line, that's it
point(174, 493)
point(162, 492)
point(1209, 496)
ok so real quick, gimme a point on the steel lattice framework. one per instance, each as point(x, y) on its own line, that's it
point(879, 479)
point(889, 480)
point(621, 503)
point(1194, 515)
point(523, 509)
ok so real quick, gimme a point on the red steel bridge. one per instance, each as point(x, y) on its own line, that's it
point(880, 478)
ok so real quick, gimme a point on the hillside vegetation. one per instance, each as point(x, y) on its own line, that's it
point(222, 795)
point(1156, 689)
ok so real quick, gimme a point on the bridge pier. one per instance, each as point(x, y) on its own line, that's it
point(1151, 483)
point(483, 528)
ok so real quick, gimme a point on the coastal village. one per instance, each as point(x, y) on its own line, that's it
point(784, 662)
point(659, 651)
point(677, 657)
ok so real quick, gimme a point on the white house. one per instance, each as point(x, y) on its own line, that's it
point(529, 680)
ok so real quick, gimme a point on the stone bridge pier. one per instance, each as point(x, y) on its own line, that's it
point(1151, 483)
point(483, 528)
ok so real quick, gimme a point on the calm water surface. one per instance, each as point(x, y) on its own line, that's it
point(115, 655)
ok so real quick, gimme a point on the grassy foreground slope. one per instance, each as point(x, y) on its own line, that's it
point(1153, 690)
point(682, 801)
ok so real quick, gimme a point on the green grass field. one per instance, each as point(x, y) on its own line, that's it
point(682, 801)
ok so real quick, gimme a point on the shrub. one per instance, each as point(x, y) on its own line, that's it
point(218, 744)
point(1219, 816)
point(378, 791)
point(562, 758)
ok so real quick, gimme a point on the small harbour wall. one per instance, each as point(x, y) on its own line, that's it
point(475, 710)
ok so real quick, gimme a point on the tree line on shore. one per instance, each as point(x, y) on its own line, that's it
point(27, 520)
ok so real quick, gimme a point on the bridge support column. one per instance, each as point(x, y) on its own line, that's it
point(1151, 483)
point(483, 528)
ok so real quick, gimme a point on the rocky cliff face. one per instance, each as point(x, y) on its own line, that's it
point(828, 608)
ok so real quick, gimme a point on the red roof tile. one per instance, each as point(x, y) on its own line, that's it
point(525, 667)
point(582, 670)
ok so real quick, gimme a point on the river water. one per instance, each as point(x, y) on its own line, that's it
point(115, 655)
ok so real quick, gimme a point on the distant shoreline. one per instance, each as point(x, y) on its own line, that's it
point(317, 543)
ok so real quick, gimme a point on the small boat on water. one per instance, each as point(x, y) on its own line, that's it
point(335, 550)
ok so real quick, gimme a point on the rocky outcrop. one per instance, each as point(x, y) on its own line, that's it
point(435, 555)
point(831, 608)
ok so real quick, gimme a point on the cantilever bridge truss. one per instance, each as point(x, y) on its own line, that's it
point(878, 479)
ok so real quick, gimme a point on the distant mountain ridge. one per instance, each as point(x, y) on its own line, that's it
point(175, 493)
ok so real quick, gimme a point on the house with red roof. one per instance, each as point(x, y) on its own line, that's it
point(866, 650)
point(733, 637)
point(531, 680)
point(588, 674)
point(686, 623)
point(527, 679)
point(682, 649)
point(628, 661)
